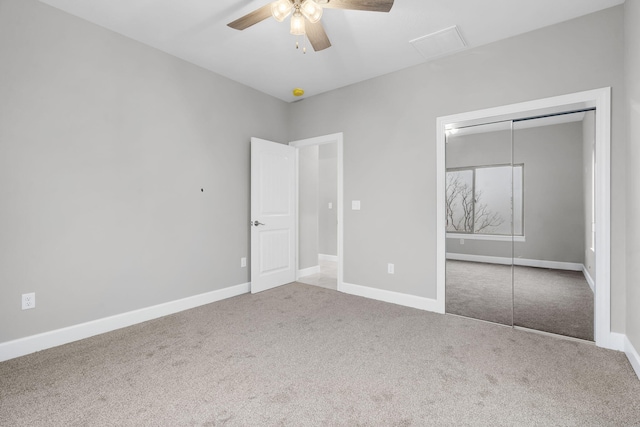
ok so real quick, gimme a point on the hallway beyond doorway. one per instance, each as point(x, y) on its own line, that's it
point(327, 278)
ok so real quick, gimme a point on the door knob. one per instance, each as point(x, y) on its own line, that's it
point(257, 223)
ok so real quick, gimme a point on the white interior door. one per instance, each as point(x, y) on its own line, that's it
point(273, 215)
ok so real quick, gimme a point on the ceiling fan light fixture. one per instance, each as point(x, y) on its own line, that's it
point(281, 9)
point(297, 24)
point(311, 11)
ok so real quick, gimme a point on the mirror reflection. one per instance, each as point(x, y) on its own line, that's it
point(554, 264)
point(520, 223)
point(479, 221)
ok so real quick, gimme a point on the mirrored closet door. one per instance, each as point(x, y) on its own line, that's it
point(479, 219)
point(520, 229)
point(554, 260)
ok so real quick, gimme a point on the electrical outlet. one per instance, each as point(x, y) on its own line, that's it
point(390, 268)
point(243, 262)
point(28, 301)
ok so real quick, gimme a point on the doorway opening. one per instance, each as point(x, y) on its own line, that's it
point(320, 210)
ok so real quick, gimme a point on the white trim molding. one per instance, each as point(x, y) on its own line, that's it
point(632, 355)
point(588, 278)
point(308, 271)
point(406, 300)
point(43, 341)
point(601, 100)
point(613, 341)
point(494, 237)
point(325, 257)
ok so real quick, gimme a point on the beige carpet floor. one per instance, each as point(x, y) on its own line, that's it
point(554, 301)
point(303, 355)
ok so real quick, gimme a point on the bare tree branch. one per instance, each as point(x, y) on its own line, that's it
point(475, 216)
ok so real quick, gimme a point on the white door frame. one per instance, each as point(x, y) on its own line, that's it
point(321, 140)
point(601, 100)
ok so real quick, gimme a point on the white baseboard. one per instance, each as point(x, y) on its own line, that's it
point(31, 344)
point(611, 340)
point(325, 257)
point(406, 300)
point(589, 279)
point(632, 355)
point(557, 265)
point(308, 271)
point(480, 258)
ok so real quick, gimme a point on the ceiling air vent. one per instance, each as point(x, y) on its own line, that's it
point(440, 43)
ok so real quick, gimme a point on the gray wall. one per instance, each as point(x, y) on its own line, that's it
point(328, 193)
point(308, 207)
point(632, 69)
point(553, 188)
point(104, 146)
point(553, 192)
point(389, 146)
point(317, 187)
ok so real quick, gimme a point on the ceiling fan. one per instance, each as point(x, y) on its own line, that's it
point(306, 14)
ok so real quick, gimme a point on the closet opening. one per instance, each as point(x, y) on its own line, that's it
point(523, 207)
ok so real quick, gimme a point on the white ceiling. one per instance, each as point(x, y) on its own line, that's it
point(365, 44)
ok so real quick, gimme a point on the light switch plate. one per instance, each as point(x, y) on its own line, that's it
point(330, 205)
point(355, 205)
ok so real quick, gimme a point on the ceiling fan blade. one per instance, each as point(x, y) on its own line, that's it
point(252, 18)
point(370, 5)
point(317, 36)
